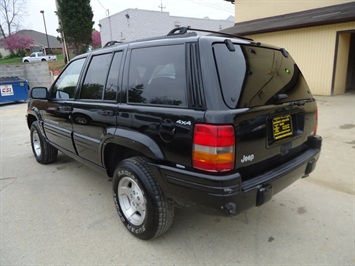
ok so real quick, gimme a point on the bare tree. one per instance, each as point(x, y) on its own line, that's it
point(10, 15)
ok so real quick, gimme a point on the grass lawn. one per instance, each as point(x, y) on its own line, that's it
point(57, 65)
point(15, 60)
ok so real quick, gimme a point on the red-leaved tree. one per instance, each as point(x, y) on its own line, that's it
point(96, 39)
point(16, 43)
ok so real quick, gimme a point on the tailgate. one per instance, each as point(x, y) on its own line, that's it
point(275, 112)
point(269, 136)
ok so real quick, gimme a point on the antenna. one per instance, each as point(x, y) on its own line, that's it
point(161, 6)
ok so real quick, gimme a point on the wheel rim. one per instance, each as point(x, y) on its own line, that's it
point(132, 201)
point(81, 120)
point(36, 144)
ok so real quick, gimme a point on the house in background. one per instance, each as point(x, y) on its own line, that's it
point(320, 36)
point(41, 41)
point(40, 45)
point(133, 24)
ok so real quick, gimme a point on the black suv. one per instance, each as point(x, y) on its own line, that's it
point(214, 123)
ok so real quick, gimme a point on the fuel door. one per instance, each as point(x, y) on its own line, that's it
point(167, 130)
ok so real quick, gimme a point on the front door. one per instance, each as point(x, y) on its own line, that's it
point(94, 112)
point(56, 112)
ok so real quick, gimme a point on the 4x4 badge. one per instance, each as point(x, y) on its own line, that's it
point(184, 123)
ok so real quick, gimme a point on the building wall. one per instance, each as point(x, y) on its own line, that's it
point(314, 51)
point(246, 10)
point(133, 24)
point(4, 52)
point(341, 62)
point(37, 74)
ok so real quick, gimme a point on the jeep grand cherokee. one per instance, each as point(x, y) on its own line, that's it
point(216, 123)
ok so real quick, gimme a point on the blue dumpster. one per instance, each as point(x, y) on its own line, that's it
point(13, 89)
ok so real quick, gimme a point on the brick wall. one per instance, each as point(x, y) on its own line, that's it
point(37, 74)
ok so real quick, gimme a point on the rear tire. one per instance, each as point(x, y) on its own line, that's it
point(42, 150)
point(140, 203)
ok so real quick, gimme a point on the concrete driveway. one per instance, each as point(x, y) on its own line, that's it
point(63, 213)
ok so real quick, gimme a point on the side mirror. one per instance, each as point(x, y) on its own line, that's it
point(39, 93)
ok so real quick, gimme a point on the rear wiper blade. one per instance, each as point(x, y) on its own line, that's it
point(276, 98)
point(298, 103)
point(281, 96)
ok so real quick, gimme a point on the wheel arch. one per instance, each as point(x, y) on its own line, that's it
point(34, 115)
point(30, 119)
point(123, 146)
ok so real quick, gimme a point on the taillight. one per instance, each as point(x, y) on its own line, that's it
point(213, 148)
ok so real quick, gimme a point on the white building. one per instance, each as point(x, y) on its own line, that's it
point(133, 24)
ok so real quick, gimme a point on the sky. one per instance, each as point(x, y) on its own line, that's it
point(214, 9)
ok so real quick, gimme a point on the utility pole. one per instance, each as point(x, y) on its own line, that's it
point(161, 6)
point(64, 43)
point(45, 28)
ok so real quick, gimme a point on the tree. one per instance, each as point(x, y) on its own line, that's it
point(96, 39)
point(10, 15)
point(76, 23)
point(16, 43)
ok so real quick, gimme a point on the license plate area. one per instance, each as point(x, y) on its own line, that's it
point(284, 128)
point(281, 127)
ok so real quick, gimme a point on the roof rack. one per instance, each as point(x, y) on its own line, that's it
point(110, 43)
point(184, 30)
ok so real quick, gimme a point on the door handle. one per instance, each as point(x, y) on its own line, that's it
point(105, 113)
point(65, 109)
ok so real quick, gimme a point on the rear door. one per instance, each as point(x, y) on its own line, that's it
point(158, 102)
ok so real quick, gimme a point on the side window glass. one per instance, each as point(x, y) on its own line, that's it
point(95, 78)
point(64, 87)
point(157, 76)
point(231, 69)
point(112, 84)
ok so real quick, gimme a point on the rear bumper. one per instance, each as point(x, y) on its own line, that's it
point(227, 194)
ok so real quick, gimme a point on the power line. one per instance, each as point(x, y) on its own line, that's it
point(101, 5)
point(214, 5)
point(107, 12)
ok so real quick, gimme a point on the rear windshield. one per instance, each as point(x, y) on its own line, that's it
point(254, 76)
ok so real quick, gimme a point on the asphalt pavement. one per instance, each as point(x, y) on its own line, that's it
point(63, 213)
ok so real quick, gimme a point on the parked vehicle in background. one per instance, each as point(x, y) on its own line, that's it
point(218, 124)
point(38, 57)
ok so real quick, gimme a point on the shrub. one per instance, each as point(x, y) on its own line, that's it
point(16, 43)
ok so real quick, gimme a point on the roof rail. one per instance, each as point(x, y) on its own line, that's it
point(110, 43)
point(184, 30)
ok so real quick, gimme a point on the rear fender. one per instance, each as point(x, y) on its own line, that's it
point(138, 142)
